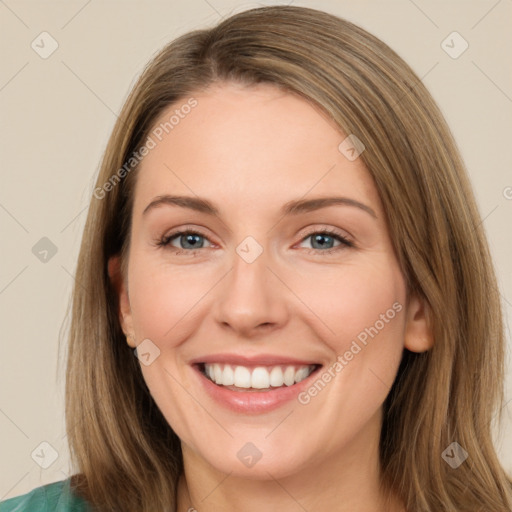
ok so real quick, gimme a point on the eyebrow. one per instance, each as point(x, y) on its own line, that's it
point(294, 207)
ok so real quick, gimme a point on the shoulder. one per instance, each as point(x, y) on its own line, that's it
point(54, 497)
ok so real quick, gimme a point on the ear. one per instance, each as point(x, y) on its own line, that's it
point(120, 286)
point(418, 330)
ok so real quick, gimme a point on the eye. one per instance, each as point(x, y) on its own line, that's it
point(324, 240)
point(189, 240)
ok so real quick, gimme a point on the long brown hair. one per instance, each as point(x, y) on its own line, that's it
point(126, 455)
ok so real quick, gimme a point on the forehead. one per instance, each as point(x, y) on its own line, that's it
point(239, 143)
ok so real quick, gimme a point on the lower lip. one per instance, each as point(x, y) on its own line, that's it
point(254, 402)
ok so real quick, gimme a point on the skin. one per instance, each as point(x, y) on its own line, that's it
point(249, 150)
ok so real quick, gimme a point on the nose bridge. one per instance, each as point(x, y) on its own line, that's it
point(251, 294)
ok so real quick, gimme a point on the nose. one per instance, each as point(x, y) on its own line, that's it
point(252, 299)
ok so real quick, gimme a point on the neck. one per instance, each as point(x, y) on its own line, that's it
point(347, 480)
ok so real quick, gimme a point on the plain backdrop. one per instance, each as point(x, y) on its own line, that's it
point(58, 110)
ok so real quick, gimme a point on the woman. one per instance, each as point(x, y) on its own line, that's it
point(359, 373)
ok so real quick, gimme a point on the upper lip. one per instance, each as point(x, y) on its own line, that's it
point(251, 360)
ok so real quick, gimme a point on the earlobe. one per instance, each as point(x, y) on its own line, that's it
point(418, 329)
point(119, 284)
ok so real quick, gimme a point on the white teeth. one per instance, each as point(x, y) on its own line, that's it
point(228, 377)
point(260, 377)
point(301, 374)
point(276, 377)
point(289, 375)
point(217, 373)
point(242, 377)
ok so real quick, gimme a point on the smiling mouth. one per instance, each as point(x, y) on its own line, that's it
point(256, 378)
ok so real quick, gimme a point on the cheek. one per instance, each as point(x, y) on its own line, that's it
point(364, 309)
point(356, 303)
point(164, 298)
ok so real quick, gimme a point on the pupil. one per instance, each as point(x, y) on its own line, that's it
point(189, 239)
point(321, 239)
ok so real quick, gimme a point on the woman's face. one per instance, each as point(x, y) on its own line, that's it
point(260, 287)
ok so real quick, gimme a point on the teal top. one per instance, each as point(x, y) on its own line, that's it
point(55, 497)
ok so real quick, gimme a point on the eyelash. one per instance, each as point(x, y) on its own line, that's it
point(345, 243)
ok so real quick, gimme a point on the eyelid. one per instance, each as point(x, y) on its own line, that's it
point(330, 230)
point(312, 230)
point(181, 231)
point(345, 242)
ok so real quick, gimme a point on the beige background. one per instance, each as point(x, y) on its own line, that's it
point(58, 112)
